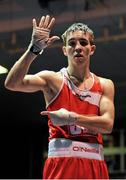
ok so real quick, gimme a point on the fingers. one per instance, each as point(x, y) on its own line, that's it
point(44, 113)
point(46, 22)
point(42, 21)
point(50, 25)
point(34, 23)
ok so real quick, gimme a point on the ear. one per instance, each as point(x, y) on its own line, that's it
point(64, 50)
point(93, 47)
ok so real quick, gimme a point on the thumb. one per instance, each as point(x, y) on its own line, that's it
point(52, 39)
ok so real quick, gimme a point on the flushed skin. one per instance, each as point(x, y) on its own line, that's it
point(78, 48)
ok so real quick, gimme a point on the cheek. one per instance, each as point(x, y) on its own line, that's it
point(69, 51)
point(87, 51)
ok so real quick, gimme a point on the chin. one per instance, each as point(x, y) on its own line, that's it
point(79, 60)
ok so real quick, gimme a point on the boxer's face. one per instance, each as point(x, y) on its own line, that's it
point(78, 47)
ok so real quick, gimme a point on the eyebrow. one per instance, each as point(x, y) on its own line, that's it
point(77, 39)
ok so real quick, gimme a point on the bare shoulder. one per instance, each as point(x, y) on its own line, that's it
point(106, 82)
point(107, 85)
point(49, 75)
point(53, 80)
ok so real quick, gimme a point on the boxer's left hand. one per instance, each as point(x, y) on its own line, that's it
point(61, 117)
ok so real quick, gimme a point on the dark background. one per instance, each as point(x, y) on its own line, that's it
point(23, 132)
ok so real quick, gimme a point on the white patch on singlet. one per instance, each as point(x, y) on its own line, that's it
point(84, 95)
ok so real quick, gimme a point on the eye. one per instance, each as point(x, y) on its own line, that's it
point(83, 42)
point(72, 43)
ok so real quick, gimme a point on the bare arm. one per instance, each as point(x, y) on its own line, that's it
point(17, 79)
point(99, 124)
point(104, 122)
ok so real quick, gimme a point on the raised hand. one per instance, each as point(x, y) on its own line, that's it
point(41, 33)
point(61, 117)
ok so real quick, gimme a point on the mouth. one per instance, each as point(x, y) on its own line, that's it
point(78, 55)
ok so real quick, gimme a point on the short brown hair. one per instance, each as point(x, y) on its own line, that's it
point(78, 26)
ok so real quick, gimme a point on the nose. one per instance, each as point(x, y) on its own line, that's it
point(78, 47)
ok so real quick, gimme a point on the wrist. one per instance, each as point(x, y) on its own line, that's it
point(73, 118)
point(35, 49)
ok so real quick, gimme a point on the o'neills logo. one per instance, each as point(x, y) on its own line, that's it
point(84, 149)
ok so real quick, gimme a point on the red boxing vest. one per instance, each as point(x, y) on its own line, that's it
point(80, 101)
